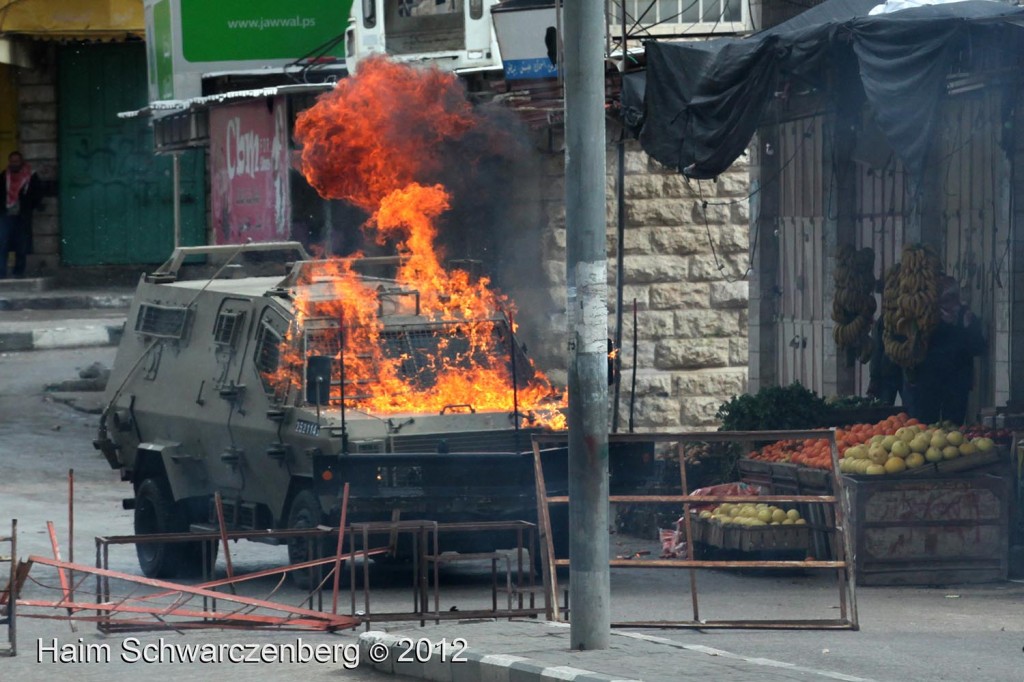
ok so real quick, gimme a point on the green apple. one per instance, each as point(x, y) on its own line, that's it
point(906, 433)
point(900, 449)
point(920, 444)
point(878, 454)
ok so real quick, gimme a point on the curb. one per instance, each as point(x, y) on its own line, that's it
point(26, 284)
point(62, 337)
point(65, 302)
point(445, 662)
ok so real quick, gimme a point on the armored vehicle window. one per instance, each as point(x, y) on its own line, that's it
point(167, 322)
point(417, 351)
point(268, 349)
point(226, 328)
point(269, 336)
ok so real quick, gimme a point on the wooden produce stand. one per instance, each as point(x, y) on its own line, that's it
point(941, 523)
point(759, 539)
point(937, 530)
point(779, 478)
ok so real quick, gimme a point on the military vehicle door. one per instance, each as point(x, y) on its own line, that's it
point(231, 330)
point(230, 339)
point(271, 329)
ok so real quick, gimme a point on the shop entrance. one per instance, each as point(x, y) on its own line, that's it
point(116, 198)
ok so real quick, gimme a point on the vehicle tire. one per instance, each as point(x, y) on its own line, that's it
point(305, 512)
point(155, 512)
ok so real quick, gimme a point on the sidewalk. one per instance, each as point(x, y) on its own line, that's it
point(35, 317)
point(538, 651)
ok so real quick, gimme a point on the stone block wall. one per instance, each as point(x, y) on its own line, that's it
point(686, 266)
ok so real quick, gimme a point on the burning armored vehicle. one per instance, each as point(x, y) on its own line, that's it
point(274, 384)
point(272, 378)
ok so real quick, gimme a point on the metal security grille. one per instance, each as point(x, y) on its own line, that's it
point(419, 350)
point(226, 328)
point(322, 337)
point(268, 349)
point(167, 322)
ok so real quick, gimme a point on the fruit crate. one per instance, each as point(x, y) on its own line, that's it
point(780, 478)
point(751, 538)
point(755, 472)
point(996, 461)
point(814, 481)
point(964, 463)
point(786, 479)
point(930, 530)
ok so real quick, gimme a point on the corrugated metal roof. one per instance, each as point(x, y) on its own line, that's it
point(206, 101)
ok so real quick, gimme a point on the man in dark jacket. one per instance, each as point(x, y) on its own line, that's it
point(23, 195)
point(937, 389)
point(886, 377)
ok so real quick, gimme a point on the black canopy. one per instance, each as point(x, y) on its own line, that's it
point(704, 100)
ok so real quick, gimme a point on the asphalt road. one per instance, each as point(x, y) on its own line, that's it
point(39, 442)
point(949, 633)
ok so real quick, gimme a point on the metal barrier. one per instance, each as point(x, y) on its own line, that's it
point(844, 572)
point(208, 616)
point(427, 560)
point(9, 595)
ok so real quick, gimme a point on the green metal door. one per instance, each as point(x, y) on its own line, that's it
point(116, 195)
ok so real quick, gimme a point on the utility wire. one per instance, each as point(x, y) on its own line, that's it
point(754, 242)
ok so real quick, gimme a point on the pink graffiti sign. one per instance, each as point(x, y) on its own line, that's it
point(249, 164)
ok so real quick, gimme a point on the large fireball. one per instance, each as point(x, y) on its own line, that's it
point(378, 141)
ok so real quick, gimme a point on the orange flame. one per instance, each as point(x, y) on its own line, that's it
point(376, 141)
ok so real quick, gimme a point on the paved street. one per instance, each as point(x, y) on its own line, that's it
point(950, 633)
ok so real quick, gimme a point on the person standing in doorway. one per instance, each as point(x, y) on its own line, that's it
point(886, 376)
point(938, 388)
point(23, 195)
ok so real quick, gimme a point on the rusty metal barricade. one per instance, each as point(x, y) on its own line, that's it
point(519, 582)
point(838, 502)
point(9, 594)
point(206, 588)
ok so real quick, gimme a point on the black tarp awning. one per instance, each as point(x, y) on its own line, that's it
point(704, 100)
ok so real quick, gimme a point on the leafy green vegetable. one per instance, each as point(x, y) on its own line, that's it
point(775, 408)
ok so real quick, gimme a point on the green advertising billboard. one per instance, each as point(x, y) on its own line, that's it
point(261, 29)
point(188, 38)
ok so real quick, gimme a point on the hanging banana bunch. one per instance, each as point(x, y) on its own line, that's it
point(896, 352)
point(910, 305)
point(853, 307)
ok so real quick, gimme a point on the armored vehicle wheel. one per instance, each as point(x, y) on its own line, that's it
point(305, 512)
point(155, 512)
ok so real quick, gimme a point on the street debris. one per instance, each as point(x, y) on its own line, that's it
point(170, 609)
point(90, 379)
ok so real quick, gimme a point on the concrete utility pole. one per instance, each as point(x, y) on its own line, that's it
point(587, 277)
